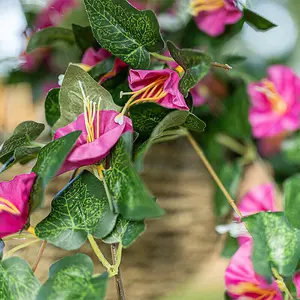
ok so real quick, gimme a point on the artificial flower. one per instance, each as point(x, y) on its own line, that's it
point(99, 134)
point(296, 280)
point(275, 103)
point(243, 283)
point(14, 199)
point(53, 13)
point(212, 16)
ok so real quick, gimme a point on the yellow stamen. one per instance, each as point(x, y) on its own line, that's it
point(31, 230)
point(277, 102)
point(244, 288)
point(179, 70)
point(6, 205)
point(153, 92)
point(198, 6)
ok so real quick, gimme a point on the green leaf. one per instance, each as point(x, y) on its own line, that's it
point(193, 123)
point(276, 244)
point(196, 65)
point(83, 36)
point(48, 36)
point(81, 208)
point(17, 280)
point(26, 154)
point(292, 200)
point(52, 111)
point(24, 133)
point(230, 175)
point(166, 130)
point(130, 196)
point(72, 278)
point(291, 148)
point(125, 31)
point(230, 247)
point(125, 232)
point(145, 117)
point(71, 98)
point(256, 21)
point(49, 161)
point(101, 68)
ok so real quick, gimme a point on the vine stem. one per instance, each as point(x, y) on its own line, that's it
point(167, 58)
point(39, 257)
point(212, 172)
point(116, 253)
point(19, 247)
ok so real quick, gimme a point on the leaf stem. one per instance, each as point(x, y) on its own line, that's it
point(111, 270)
point(19, 247)
point(162, 57)
point(222, 66)
point(281, 284)
point(40, 254)
point(231, 144)
point(116, 253)
point(213, 174)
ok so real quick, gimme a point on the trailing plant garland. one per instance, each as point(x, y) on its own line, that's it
point(103, 139)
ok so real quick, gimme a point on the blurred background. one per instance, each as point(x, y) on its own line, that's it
point(179, 255)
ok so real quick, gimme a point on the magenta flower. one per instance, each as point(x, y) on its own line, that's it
point(99, 134)
point(14, 198)
point(275, 103)
point(212, 16)
point(243, 283)
point(54, 12)
point(261, 198)
point(296, 280)
point(91, 57)
point(160, 86)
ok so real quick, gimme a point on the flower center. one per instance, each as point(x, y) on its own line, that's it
point(198, 6)
point(244, 288)
point(277, 102)
point(6, 205)
point(153, 92)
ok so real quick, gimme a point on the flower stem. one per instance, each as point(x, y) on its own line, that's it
point(213, 174)
point(116, 252)
point(162, 57)
point(282, 285)
point(231, 144)
point(111, 270)
point(40, 254)
point(222, 66)
point(19, 247)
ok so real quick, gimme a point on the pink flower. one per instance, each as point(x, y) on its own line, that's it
point(212, 16)
point(14, 198)
point(243, 283)
point(275, 103)
point(296, 280)
point(99, 134)
point(261, 198)
point(54, 12)
point(160, 86)
point(91, 57)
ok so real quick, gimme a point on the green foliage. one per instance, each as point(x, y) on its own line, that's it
point(166, 130)
point(292, 200)
point(291, 148)
point(193, 123)
point(81, 208)
point(48, 36)
point(275, 244)
point(83, 36)
point(72, 278)
point(130, 196)
point(71, 97)
point(196, 65)
point(125, 232)
point(17, 280)
point(101, 68)
point(52, 111)
point(125, 31)
point(23, 135)
point(230, 247)
point(256, 21)
point(49, 161)
point(2, 246)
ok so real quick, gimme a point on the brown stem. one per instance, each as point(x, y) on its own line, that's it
point(40, 254)
point(118, 277)
point(222, 66)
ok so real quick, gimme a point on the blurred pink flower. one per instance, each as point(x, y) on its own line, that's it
point(243, 283)
point(160, 86)
point(14, 198)
point(53, 13)
point(275, 103)
point(99, 134)
point(91, 57)
point(297, 283)
point(260, 198)
point(212, 16)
